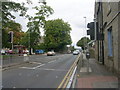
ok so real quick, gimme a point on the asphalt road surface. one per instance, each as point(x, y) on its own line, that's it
point(42, 72)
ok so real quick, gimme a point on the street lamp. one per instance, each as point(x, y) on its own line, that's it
point(85, 40)
point(42, 1)
point(95, 21)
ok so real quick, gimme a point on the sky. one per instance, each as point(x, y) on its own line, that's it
point(71, 11)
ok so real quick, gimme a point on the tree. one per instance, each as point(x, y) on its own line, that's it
point(37, 22)
point(57, 34)
point(7, 8)
point(8, 23)
point(25, 40)
point(82, 42)
point(17, 34)
point(34, 24)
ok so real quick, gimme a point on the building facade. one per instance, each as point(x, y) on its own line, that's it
point(107, 45)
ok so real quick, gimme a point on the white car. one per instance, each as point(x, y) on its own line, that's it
point(50, 53)
point(3, 52)
point(75, 52)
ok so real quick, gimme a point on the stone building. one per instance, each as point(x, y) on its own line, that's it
point(107, 45)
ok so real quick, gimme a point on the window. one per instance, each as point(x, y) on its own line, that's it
point(110, 48)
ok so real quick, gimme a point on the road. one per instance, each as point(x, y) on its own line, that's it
point(42, 72)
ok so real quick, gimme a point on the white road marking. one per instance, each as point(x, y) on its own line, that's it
point(38, 66)
point(33, 67)
point(52, 61)
point(26, 67)
point(35, 62)
point(50, 69)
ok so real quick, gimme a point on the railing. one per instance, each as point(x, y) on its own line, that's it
point(70, 78)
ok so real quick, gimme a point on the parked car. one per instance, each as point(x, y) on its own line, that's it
point(10, 52)
point(3, 52)
point(25, 51)
point(75, 52)
point(39, 52)
point(50, 53)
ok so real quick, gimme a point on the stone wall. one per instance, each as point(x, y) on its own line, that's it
point(110, 18)
point(109, 12)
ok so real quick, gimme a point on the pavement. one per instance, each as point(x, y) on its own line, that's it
point(93, 75)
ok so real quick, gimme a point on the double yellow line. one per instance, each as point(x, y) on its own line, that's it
point(66, 79)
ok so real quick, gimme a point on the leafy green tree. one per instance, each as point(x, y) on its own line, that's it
point(8, 8)
point(17, 34)
point(40, 46)
point(37, 22)
point(5, 39)
point(25, 40)
point(8, 23)
point(34, 24)
point(57, 34)
point(82, 42)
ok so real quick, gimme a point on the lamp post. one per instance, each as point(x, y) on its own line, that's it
point(85, 40)
point(95, 21)
point(87, 51)
point(42, 1)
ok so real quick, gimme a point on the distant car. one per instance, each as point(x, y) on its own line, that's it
point(10, 52)
point(3, 52)
point(75, 52)
point(50, 53)
point(25, 51)
point(78, 51)
point(39, 52)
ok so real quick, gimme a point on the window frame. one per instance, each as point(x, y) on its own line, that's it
point(110, 42)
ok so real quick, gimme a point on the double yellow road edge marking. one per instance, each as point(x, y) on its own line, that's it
point(65, 80)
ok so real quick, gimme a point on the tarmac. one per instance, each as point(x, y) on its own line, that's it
point(93, 75)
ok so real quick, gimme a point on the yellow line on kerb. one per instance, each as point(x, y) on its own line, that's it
point(63, 81)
